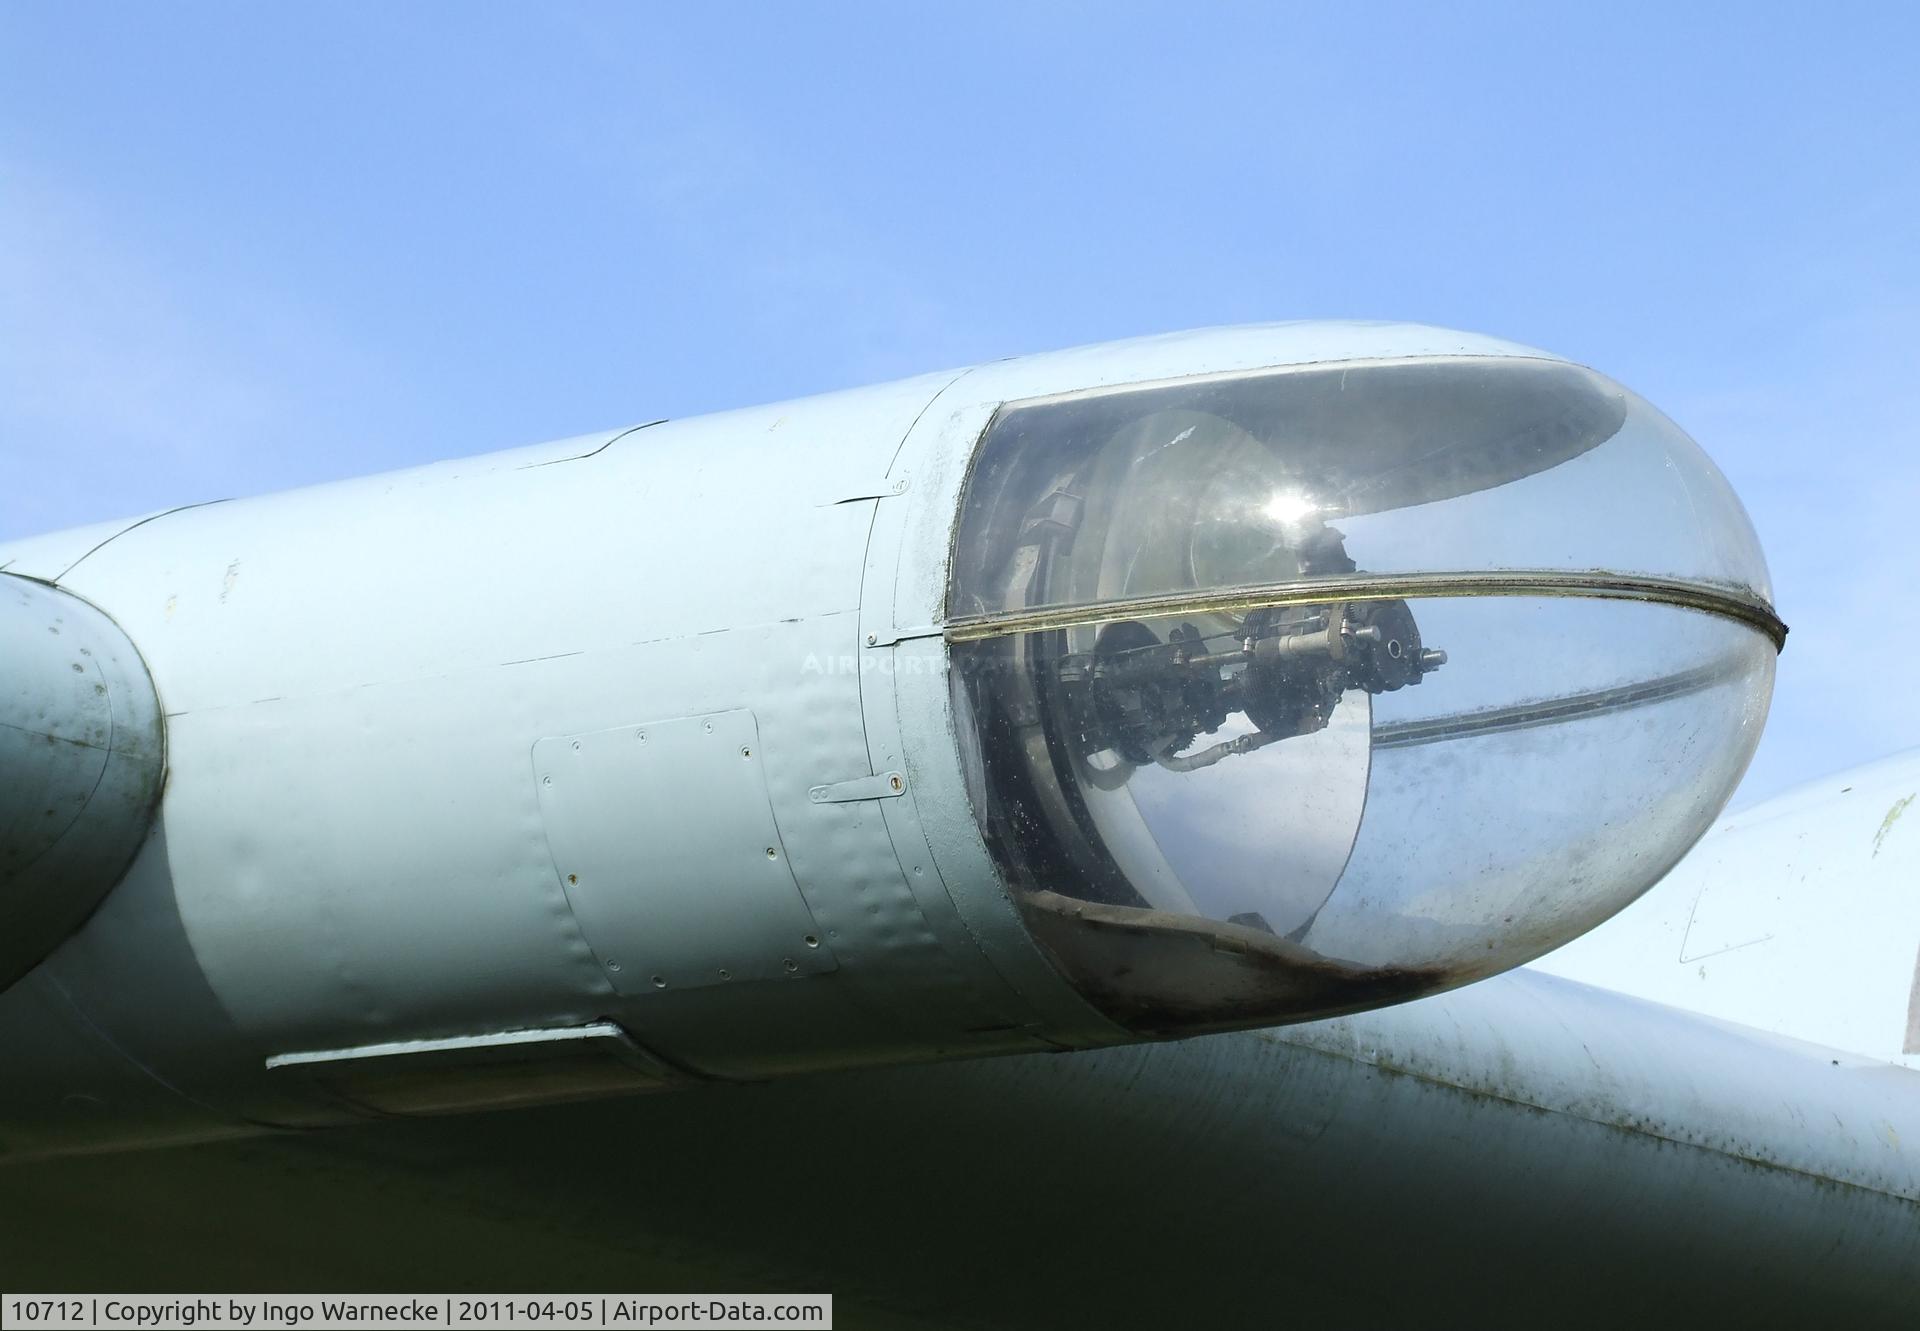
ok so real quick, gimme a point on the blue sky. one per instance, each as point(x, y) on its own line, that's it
point(244, 247)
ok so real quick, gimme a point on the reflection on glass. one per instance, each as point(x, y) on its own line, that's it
point(1218, 816)
point(1386, 467)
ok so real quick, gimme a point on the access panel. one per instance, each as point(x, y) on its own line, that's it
point(665, 841)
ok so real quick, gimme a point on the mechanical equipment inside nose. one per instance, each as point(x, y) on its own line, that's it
point(1263, 667)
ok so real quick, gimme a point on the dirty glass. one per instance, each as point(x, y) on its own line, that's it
point(1220, 811)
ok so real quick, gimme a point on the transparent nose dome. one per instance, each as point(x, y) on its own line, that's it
point(1310, 690)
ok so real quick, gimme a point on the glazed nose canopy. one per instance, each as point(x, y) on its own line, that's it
point(1317, 689)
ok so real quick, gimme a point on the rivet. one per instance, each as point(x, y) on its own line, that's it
point(896, 783)
point(640, 735)
point(811, 941)
point(708, 727)
point(791, 965)
point(659, 982)
point(613, 965)
point(546, 780)
point(576, 746)
point(726, 974)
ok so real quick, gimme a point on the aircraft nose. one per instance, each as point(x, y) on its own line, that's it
point(82, 759)
point(1311, 689)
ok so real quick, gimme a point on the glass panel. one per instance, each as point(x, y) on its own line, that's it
point(1216, 818)
point(1455, 464)
point(1233, 820)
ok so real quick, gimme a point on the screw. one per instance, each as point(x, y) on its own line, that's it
point(772, 854)
point(873, 640)
point(746, 752)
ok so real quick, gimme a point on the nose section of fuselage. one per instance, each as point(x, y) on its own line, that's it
point(82, 763)
point(1315, 688)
